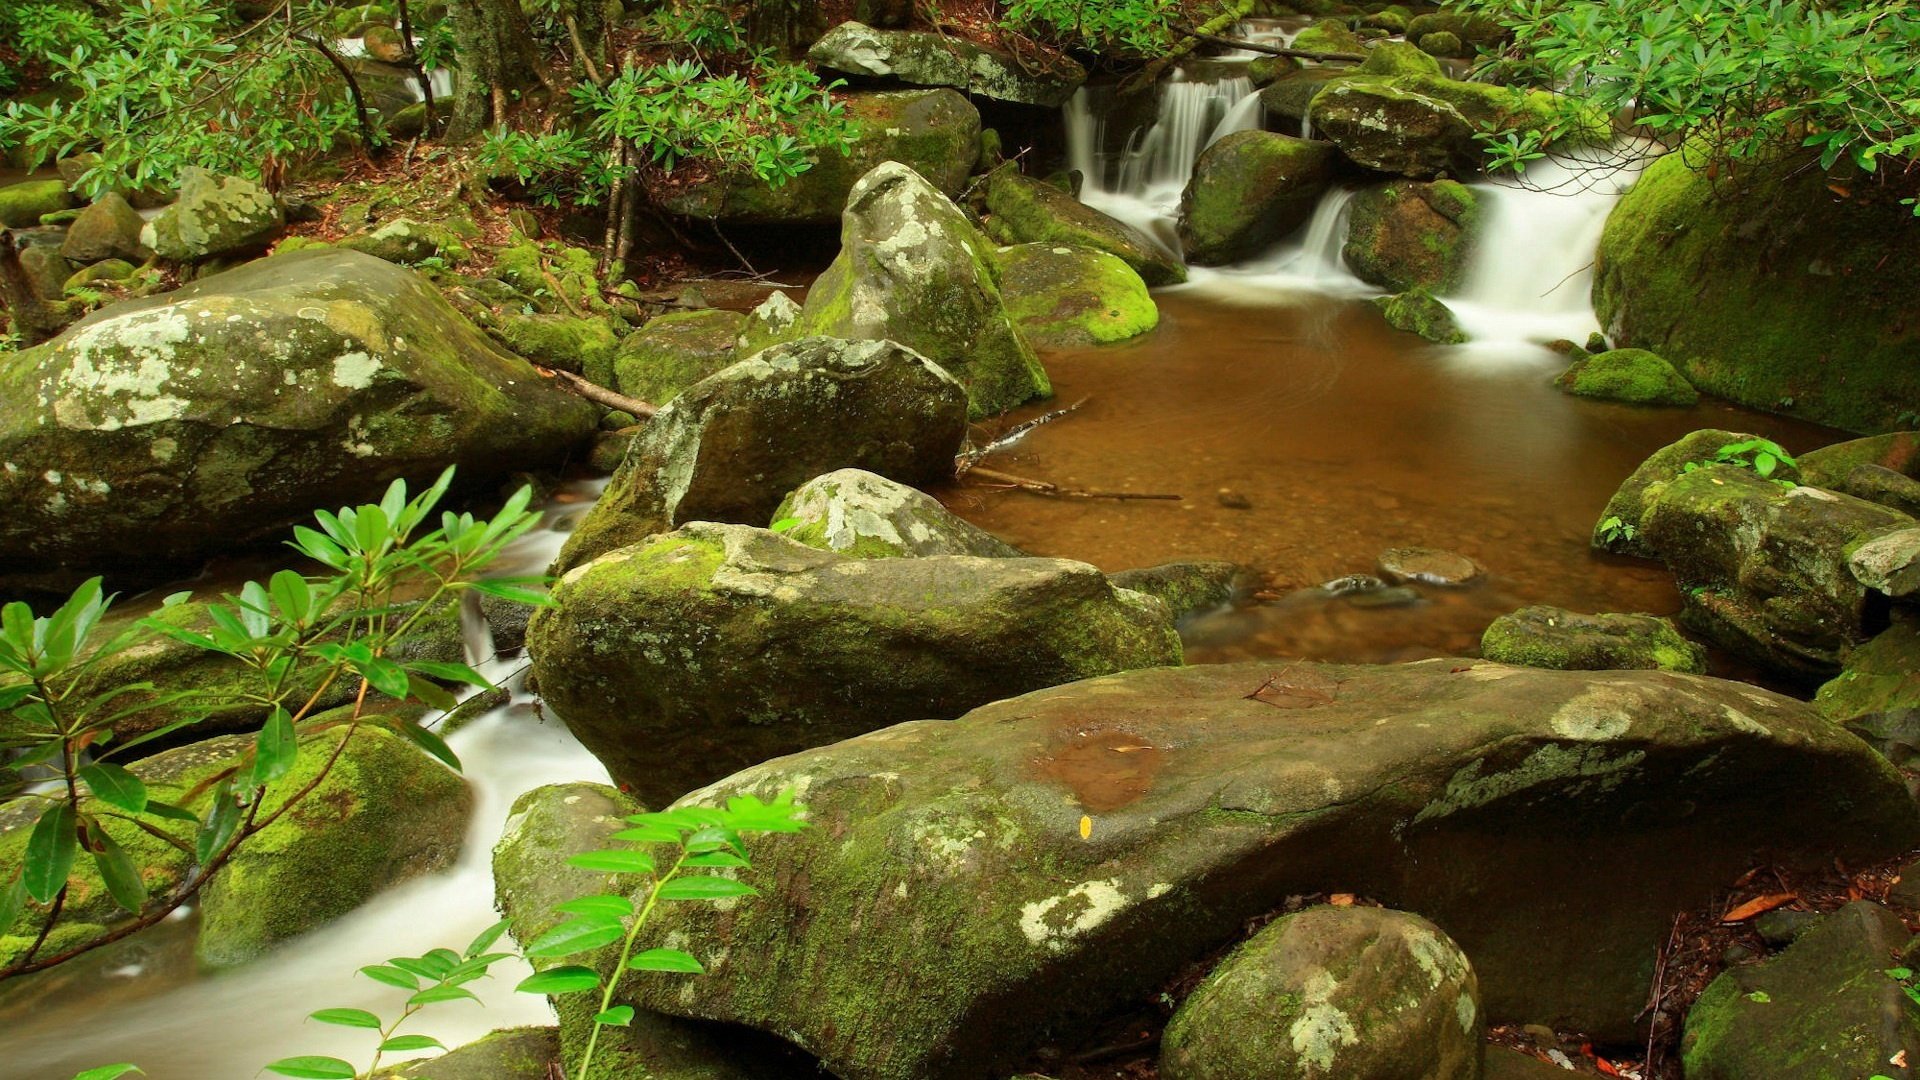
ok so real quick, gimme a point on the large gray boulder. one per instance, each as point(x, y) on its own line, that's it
point(213, 216)
point(1359, 993)
point(730, 447)
point(1041, 860)
point(715, 647)
point(921, 58)
point(1394, 128)
point(158, 431)
point(913, 269)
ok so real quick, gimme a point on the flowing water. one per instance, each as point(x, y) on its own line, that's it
point(1303, 435)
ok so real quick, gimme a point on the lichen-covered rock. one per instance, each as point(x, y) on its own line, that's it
point(912, 269)
point(730, 447)
point(1737, 280)
point(1360, 993)
point(857, 513)
point(1764, 568)
point(1419, 312)
point(1881, 676)
point(585, 346)
point(1621, 524)
point(1066, 297)
point(1635, 376)
point(1889, 563)
point(1043, 860)
point(21, 204)
point(158, 431)
point(770, 322)
point(384, 813)
point(1185, 587)
point(936, 133)
point(213, 216)
point(528, 1053)
point(1551, 637)
point(714, 647)
point(1823, 1009)
point(1393, 129)
point(406, 241)
point(1405, 235)
point(1249, 190)
point(922, 58)
point(676, 350)
point(109, 229)
point(1029, 211)
point(1895, 491)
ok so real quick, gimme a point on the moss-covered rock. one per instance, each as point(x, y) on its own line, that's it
point(1405, 234)
point(1355, 992)
point(1895, 491)
point(1476, 30)
point(1823, 1009)
point(585, 346)
point(857, 513)
point(1048, 859)
point(158, 431)
point(1025, 210)
point(47, 270)
point(528, 1053)
point(105, 270)
point(213, 216)
point(912, 269)
point(936, 133)
point(407, 242)
point(770, 322)
point(1879, 677)
point(1399, 58)
point(923, 58)
point(1764, 568)
point(109, 229)
point(1738, 281)
point(1418, 312)
point(1063, 297)
point(676, 350)
point(694, 653)
point(733, 445)
point(1619, 529)
point(22, 203)
point(557, 278)
point(1635, 376)
point(1185, 587)
point(1262, 71)
point(1830, 466)
point(384, 813)
point(1444, 43)
point(1290, 95)
point(1391, 128)
point(1249, 190)
point(1551, 637)
point(1329, 36)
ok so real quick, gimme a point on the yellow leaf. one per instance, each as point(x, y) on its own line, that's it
point(1086, 827)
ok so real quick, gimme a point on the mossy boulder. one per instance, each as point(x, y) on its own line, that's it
point(1024, 210)
point(109, 229)
point(1764, 568)
point(1444, 43)
point(1249, 191)
point(158, 431)
point(1620, 526)
point(1329, 36)
point(676, 350)
point(1419, 312)
point(924, 58)
point(1185, 587)
point(585, 346)
point(856, 513)
point(1262, 71)
point(1477, 30)
point(697, 652)
point(1823, 1009)
point(1830, 466)
point(936, 133)
point(22, 203)
point(1290, 95)
point(1406, 234)
point(1049, 859)
point(528, 1053)
point(1391, 128)
point(1739, 281)
point(553, 277)
point(1896, 491)
point(1635, 376)
point(384, 813)
point(1551, 637)
point(1065, 297)
point(406, 241)
point(1399, 58)
point(46, 269)
point(1360, 993)
point(912, 269)
point(770, 322)
point(213, 217)
point(1881, 676)
point(730, 447)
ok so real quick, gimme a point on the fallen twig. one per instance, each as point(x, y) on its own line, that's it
point(1042, 487)
point(598, 394)
point(1270, 50)
point(965, 462)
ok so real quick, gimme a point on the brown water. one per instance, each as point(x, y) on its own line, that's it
point(1344, 438)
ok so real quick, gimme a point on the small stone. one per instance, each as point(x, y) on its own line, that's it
point(1353, 583)
point(1543, 1036)
point(1233, 500)
point(1392, 597)
point(1429, 565)
point(1780, 927)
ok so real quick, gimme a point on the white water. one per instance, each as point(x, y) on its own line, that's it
point(224, 1026)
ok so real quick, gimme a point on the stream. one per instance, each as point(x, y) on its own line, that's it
point(1303, 436)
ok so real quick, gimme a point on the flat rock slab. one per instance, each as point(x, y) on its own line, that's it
point(970, 884)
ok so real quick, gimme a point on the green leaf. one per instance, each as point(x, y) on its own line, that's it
point(570, 979)
point(702, 887)
point(613, 861)
point(314, 1068)
point(514, 593)
point(426, 740)
point(385, 676)
point(392, 976)
point(12, 899)
point(171, 812)
point(110, 1072)
point(453, 673)
point(485, 939)
point(276, 749)
point(603, 906)
point(716, 860)
point(1901, 973)
point(434, 994)
point(115, 786)
point(403, 1043)
point(221, 821)
point(665, 960)
point(50, 852)
point(117, 870)
point(618, 1016)
point(575, 936)
point(356, 1018)
point(648, 834)
point(430, 693)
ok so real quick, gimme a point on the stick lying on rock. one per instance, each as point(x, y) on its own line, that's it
point(598, 394)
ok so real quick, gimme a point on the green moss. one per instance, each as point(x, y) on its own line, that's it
point(1329, 36)
point(1025, 210)
point(23, 204)
point(1406, 234)
point(1881, 676)
point(1561, 640)
point(1063, 297)
point(557, 278)
point(1417, 312)
point(676, 350)
point(1250, 190)
point(584, 346)
point(1398, 58)
point(1635, 376)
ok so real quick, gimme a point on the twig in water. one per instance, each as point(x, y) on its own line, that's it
point(965, 462)
point(1042, 487)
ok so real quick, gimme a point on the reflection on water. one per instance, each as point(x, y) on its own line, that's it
point(1343, 438)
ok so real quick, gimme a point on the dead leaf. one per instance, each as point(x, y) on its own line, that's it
point(1341, 899)
point(1899, 1060)
point(1086, 827)
point(1129, 749)
point(1759, 905)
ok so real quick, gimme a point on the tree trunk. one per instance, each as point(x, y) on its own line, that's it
point(495, 47)
point(787, 27)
